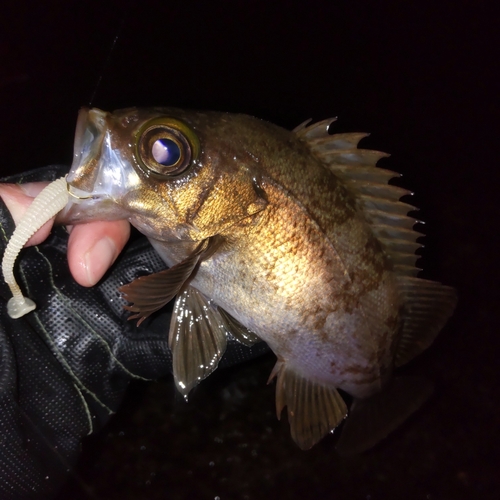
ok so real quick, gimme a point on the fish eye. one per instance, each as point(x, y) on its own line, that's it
point(166, 147)
point(166, 152)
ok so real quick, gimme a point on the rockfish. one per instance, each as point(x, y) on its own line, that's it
point(292, 238)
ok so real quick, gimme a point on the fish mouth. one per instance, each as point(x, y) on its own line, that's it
point(78, 195)
point(81, 125)
point(100, 168)
point(83, 207)
point(90, 125)
point(101, 175)
point(89, 140)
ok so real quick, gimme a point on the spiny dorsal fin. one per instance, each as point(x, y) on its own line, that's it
point(314, 409)
point(427, 307)
point(378, 200)
point(197, 339)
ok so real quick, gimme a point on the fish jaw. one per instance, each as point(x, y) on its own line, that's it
point(100, 176)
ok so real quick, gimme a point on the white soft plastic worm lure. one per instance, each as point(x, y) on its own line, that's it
point(51, 200)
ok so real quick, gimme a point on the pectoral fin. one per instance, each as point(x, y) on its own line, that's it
point(197, 339)
point(314, 409)
point(237, 330)
point(150, 293)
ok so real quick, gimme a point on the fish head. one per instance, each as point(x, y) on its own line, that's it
point(174, 174)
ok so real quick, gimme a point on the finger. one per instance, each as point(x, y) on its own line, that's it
point(93, 247)
point(17, 198)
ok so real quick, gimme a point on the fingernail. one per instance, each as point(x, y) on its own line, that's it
point(98, 259)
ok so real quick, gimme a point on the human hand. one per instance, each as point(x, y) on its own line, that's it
point(66, 365)
point(92, 247)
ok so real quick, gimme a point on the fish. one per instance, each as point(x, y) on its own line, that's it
point(294, 238)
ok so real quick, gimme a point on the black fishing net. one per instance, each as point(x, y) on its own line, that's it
point(64, 368)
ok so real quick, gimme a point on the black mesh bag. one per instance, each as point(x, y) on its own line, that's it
point(64, 367)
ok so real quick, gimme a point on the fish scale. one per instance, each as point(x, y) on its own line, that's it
point(294, 238)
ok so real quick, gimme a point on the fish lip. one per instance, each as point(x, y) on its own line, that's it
point(81, 125)
point(94, 119)
point(84, 206)
point(78, 195)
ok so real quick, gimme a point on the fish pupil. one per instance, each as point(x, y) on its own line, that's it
point(166, 152)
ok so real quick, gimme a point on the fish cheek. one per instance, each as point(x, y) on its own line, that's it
point(152, 212)
point(233, 198)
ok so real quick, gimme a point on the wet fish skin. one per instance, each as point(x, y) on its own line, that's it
point(293, 250)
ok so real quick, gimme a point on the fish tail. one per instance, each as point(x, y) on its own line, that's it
point(374, 418)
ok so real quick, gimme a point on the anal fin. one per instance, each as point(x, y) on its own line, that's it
point(373, 419)
point(314, 409)
point(197, 339)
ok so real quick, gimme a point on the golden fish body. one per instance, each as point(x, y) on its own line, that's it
point(306, 274)
point(293, 238)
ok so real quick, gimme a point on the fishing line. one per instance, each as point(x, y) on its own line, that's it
point(111, 49)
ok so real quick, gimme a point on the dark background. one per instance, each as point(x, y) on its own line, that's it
point(422, 77)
